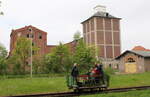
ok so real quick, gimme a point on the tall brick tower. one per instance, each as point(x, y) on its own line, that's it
point(102, 30)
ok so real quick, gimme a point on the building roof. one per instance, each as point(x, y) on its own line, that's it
point(140, 48)
point(140, 53)
point(101, 14)
point(25, 28)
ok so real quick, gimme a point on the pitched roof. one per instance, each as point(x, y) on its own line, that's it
point(140, 53)
point(25, 28)
point(101, 14)
point(140, 48)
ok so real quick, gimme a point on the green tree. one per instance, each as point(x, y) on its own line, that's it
point(3, 55)
point(59, 61)
point(38, 64)
point(84, 56)
point(21, 55)
point(77, 35)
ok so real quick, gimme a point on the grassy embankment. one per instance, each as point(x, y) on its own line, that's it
point(16, 86)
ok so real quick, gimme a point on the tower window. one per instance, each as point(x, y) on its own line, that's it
point(107, 14)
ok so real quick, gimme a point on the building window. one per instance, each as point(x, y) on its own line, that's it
point(107, 14)
point(31, 35)
point(110, 66)
point(33, 52)
point(19, 34)
point(30, 29)
point(27, 62)
point(28, 35)
point(40, 35)
point(117, 66)
point(33, 44)
point(130, 60)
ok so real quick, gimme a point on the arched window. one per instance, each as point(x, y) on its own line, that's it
point(130, 60)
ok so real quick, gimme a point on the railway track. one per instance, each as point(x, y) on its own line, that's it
point(71, 94)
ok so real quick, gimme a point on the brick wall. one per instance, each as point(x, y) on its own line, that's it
point(39, 38)
point(104, 34)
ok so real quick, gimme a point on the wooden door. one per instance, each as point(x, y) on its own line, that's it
point(130, 67)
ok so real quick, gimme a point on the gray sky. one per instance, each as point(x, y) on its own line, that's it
point(62, 18)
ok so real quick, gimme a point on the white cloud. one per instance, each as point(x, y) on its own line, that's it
point(62, 18)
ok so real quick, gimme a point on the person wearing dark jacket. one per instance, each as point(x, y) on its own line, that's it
point(75, 72)
point(101, 72)
point(100, 68)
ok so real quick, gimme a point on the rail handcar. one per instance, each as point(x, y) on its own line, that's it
point(88, 82)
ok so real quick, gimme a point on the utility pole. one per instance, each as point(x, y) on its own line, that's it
point(32, 37)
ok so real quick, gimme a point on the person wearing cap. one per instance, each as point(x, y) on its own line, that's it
point(75, 72)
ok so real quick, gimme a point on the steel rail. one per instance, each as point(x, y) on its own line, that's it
point(71, 94)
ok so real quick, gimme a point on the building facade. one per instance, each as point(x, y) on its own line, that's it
point(102, 31)
point(39, 38)
point(134, 61)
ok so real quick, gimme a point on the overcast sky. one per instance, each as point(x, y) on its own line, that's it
point(62, 18)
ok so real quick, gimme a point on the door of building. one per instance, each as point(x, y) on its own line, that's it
point(131, 67)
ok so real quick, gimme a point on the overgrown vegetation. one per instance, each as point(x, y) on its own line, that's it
point(21, 54)
point(3, 63)
point(60, 60)
point(109, 71)
point(84, 56)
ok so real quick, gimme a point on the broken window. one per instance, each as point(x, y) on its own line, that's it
point(131, 60)
point(28, 35)
point(40, 35)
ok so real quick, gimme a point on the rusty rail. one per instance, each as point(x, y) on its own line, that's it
point(71, 94)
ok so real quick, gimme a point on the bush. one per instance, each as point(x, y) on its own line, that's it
point(109, 71)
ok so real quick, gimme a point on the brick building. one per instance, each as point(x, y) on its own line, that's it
point(39, 38)
point(102, 31)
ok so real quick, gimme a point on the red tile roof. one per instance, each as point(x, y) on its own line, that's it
point(140, 48)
